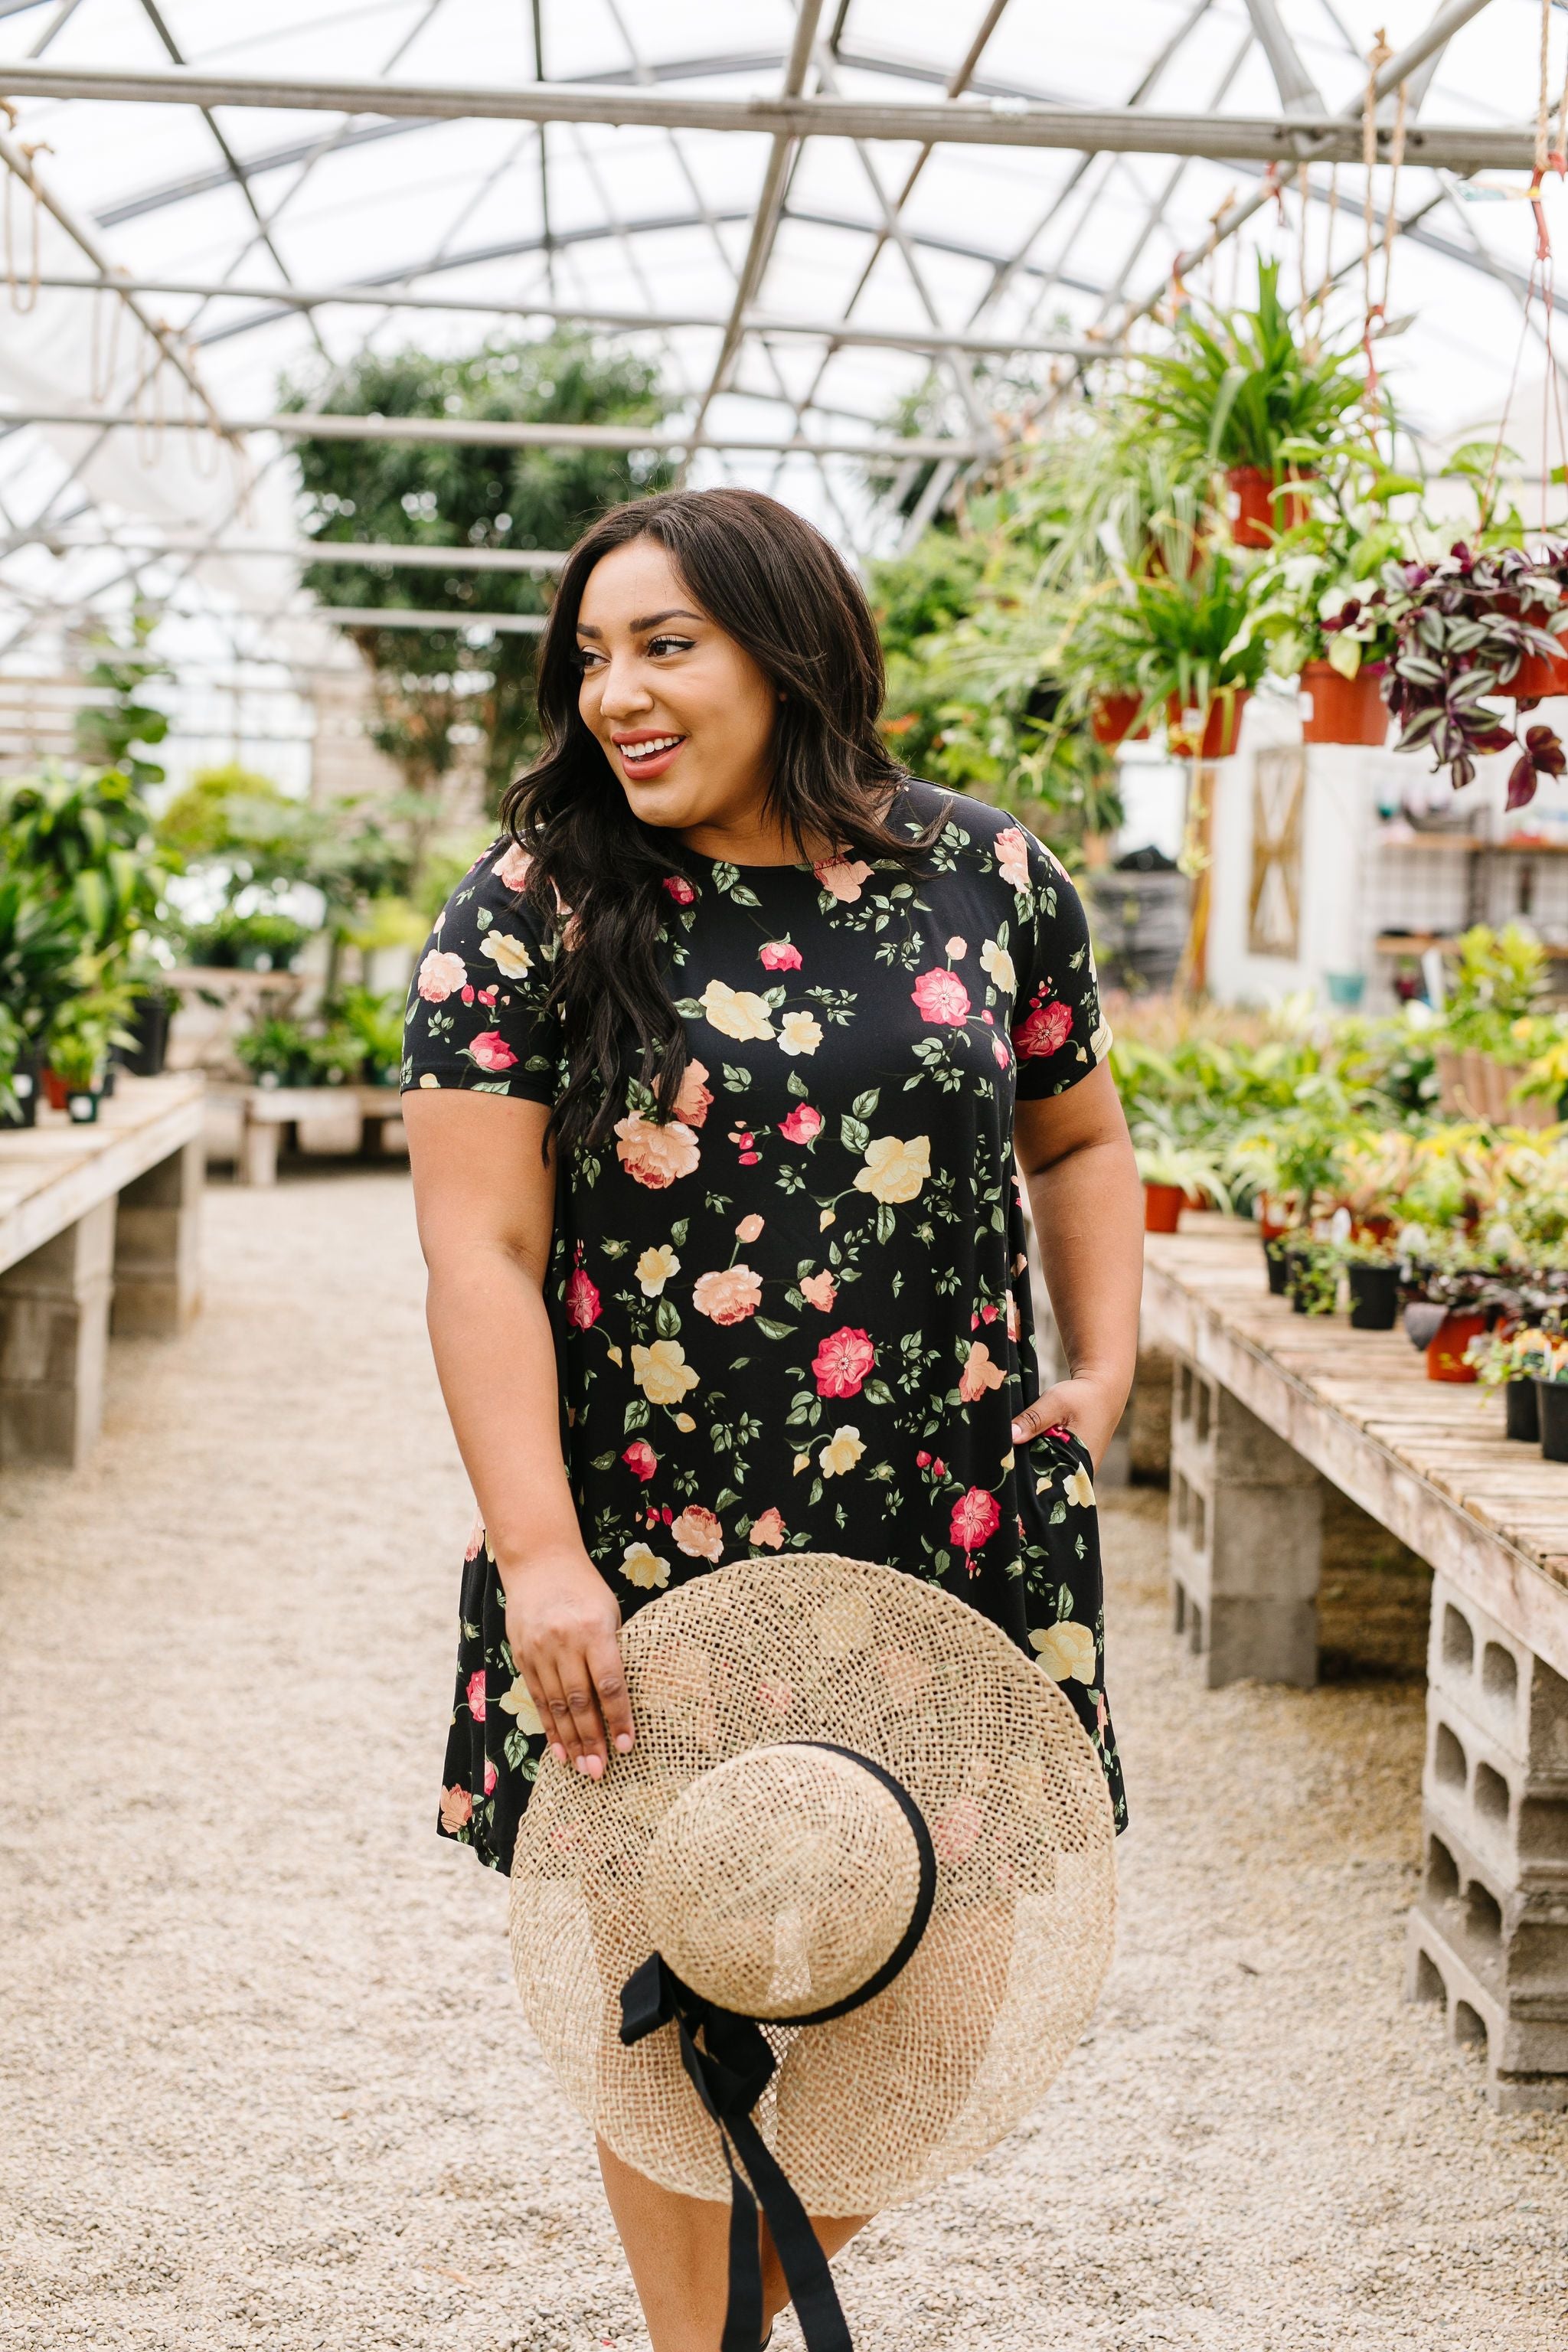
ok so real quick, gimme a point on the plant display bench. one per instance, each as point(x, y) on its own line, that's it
point(271, 1116)
point(98, 1229)
point(1266, 1405)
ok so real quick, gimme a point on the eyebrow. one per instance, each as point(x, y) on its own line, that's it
point(649, 621)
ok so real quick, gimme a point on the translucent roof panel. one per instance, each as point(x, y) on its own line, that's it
point(442, 227)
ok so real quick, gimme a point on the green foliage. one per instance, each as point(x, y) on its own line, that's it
point(233, 816)
point(1238, 387)
point(39, 952)
point(429, 684)
point(261, 941)
point(1494, 979)
point(88, 838)
point(84, 1029)
point(123, 669)
point(375, 1024)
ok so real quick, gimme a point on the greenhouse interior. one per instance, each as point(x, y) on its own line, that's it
point(1170, 406)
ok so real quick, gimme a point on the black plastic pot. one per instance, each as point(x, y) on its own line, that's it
point(1551, 1397)
point(81, 1105)
point(1274, 1259)
point(150, 1026)
point(26, 1084)
point(1521, 1412)
point(1374, 1297)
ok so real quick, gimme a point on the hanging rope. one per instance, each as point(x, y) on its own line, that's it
point(30, 151)
point(1377, 58)
point(103, 352)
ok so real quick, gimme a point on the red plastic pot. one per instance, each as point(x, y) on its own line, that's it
point(55, 1091)
point(1260, 507)
point(1336, 710)
point(1111, 717)
point(1163, 1206)
point(1446, 1351)
point(1218, 739)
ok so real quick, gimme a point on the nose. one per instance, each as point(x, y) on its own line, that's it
point(623, 693)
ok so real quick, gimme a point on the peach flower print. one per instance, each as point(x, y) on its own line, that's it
point(768, 1528)
point(749, 1228)
point(700, 1533)
point(457, 1809)
point(1011, 850)
point(694, 1101)
point(441, 976)
point(476, 1538)
point(511, 870)
point(654, 1155)
point(729, 1295)
point(843, 876)
point(1065, 1650)
point(517, 1703)
point(979, 1373)
point(820, 1289)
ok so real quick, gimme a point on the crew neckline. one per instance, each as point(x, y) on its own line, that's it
point(788, 865)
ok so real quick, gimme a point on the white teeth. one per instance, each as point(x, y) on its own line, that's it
point(649, 751)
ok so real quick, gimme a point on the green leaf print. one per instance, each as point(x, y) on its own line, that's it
point(490, 1087)
point(864, 1106)
point(877, 1392)
point(853, 1133)
point(795, 1084)
point(666, 1321)
point(742, 896)
point(771, 1330)
point(638, 1414)
point(678, 1231)
point(886, 1223)
point(484, 918)
point(735, 1081)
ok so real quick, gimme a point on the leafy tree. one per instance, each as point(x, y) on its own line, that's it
point(430, 685)
point(123, 669)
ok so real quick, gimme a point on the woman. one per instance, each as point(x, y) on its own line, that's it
point(717, 1063)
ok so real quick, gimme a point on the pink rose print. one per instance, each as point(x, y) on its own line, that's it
point(512, 871)
point(768, 1528)
point(440, 976)
point(1013, 1323)
point(779, 956)
point(749, 1228)
point(693, 1102)
point(745, 1142)
point(581, 1301)
point(468, 995)
point(700, 1533)
point(640, 1458)
point(1012, 853)
point(803, 1125)
point(842, 1363)
point(1045, 1030)
point(476, 1538)
point(975, 1519)
point(456, 1806)
point(679, 889)
point(999, 1054)
point(942, 997)
point(477, 1695)
point(729, 1295)
point(843, 876)
point(820, 1289)
point(654, 1155)
point(491, 1052)
point(491, 1777)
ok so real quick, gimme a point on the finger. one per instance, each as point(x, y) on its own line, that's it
point(536, 1692)
point(614, 1699)
point(1048, 1411)
point(593, 1747)
point(557, 1714)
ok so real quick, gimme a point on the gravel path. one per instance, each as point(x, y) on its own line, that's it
point(262, 2078)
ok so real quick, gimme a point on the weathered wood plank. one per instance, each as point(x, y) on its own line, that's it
point(51, 1177)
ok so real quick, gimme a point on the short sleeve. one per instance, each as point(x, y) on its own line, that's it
point(476, 1016)
point(1058, 1035)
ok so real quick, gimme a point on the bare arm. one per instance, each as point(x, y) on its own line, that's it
point(1088, 1205)
point(485, 1201)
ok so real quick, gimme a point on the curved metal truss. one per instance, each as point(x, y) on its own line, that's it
point(851, 205)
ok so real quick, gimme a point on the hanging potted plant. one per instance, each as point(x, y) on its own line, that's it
point(1194, 653)
point(1464, 628)
point(1312, 604)
point(1239, 391)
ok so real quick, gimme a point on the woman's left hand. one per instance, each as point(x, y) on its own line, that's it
point(1085, 1405)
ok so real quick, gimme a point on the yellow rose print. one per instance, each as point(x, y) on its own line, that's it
point(895, 1170)
point(516, 1702)
point(641, 1566)
point(1080, 1489)
point(662, 1372)
point(997, 965)
point(1065, 1650)
point(841, 1452)
point(799, 1033)
point(736, 1011)
point(510, 955)
point(655, 1268)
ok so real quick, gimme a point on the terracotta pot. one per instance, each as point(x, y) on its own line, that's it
point(1445, 1349)
point(1220, 727)
point(1336, 710)
point(1538, 675)
point(54, 1090)
point(1163, 1206)
point(1371, 1229)
point(1111, 717)
point(1258, 515)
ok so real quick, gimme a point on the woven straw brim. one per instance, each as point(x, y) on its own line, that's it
point(874, 2106)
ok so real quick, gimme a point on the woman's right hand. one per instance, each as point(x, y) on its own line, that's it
point(561, 1622)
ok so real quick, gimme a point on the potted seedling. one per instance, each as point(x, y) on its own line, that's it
point(1312, 1276)
point(1551, 1401)
point(1371, 1276)
point(1514, 1359)
point(1177, 1176)
point(275, 1053)
point(79, 1046)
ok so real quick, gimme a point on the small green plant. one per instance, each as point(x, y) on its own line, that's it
point(274, 1051)
point(263, 941)
point(1190, 1167)
point(83, 1032)
point(375, 1024)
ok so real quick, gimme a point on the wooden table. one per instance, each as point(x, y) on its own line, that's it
point(98, 1229)
point(1266, 1405)
point(269, 1114)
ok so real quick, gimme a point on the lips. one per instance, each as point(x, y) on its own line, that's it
point(648, 755)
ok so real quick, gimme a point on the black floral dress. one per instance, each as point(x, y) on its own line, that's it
point(797, 1315)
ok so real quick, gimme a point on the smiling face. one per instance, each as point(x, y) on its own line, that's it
point(683, 714)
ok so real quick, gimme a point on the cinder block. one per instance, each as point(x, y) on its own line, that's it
point(54, 1336)
point(1246, 1540)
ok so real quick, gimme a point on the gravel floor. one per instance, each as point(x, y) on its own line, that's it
point(263, 2080)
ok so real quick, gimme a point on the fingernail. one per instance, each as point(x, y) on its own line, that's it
point(582, 1763)
point(623, 1742)
point(595, 1767)
point(1017, 1431)
point(558, 1752)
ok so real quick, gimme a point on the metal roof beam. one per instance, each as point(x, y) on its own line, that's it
point(374, 553)
point(972, 121)
point(1298, 93)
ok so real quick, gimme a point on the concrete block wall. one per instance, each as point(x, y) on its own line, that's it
point(1489, 1934)
point(1247, 1528)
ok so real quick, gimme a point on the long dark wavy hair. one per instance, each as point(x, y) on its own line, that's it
point(777, 586)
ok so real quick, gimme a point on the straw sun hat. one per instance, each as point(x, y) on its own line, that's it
point(857, 1814)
